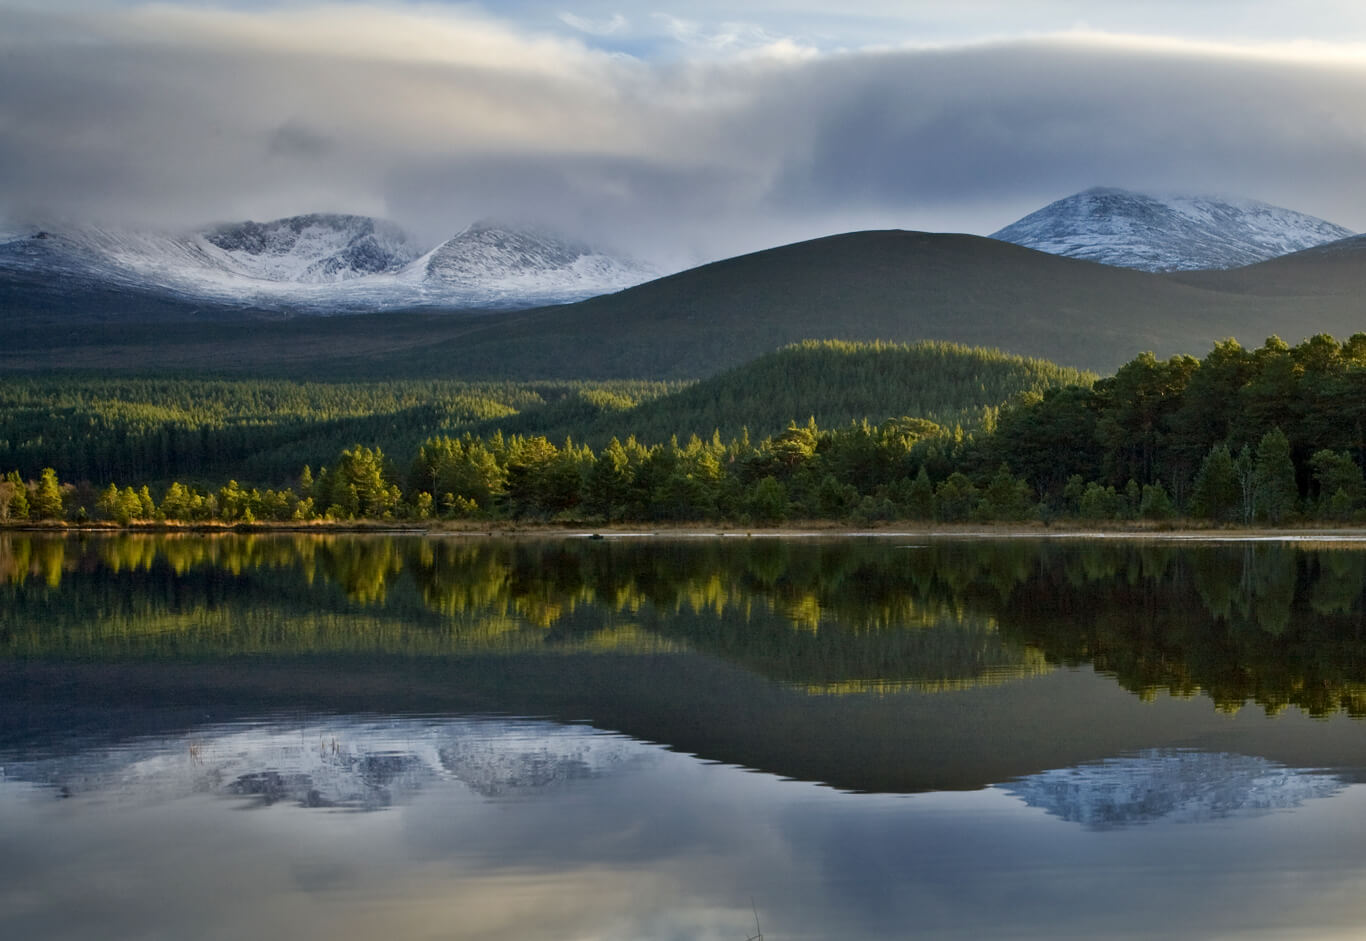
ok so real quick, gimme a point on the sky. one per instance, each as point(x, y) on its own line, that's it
point(678, 133)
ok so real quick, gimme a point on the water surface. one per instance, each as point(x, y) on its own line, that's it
point(340, 737)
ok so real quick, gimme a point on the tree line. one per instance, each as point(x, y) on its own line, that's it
point(1270, 435)
point(1241, 435)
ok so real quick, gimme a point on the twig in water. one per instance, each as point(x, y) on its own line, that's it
point(758, 932)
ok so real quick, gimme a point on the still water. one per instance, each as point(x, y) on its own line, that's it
point(359, 737)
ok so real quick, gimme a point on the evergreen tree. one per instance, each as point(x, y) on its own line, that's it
point(1099, 503)
point(1216, 493)
point(47, 497)
point(767, 501)
point(130, 507)
point(359, 484)
point(1155, 504)
point(178, 503)
point(1072, 493)
point(1130, 500)
point(107, 504)
point(955, 498)
point(147, 508)
point(608, 485)
point(835, 500)
point(1340, 483)
point(920, 497)
point(1275, 476)
point(1005, 498)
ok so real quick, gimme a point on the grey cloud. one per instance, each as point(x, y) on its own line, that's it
point(295, 139)
point(684, 161)
point(631, 204)
point(1044, 118)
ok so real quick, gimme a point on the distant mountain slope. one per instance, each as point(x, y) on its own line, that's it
point(314, 249)
point(509, 266)
point(311, 264)
point(891, 285)
point(888, 285)
point(1181, 233)
point(833, 381)
point(1335, 269)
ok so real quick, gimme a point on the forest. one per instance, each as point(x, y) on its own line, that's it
point(862, 432)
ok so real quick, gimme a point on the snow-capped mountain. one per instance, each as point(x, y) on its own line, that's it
point(323, 263)
point(507, 263)
point(1177, 233)
point(1171, 785)
point(313, 249)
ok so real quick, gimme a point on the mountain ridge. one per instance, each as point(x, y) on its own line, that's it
point(886, 285)
point(1126, 229)
point(319, 263)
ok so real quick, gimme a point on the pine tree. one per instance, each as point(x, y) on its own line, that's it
point(1155, 504)
point(1340, 483)
point(47, 498)
point(108, 503)
point(920, 497)
point(1275, 476)
point(147, 508)
point(1216, 492)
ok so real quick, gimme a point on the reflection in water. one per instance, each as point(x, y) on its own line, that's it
point(338, 763)
point(1171, 785)
point(596, 836)
point(1276, 624)
point(853, 739)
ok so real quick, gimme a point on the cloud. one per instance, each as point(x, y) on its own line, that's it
point(614, 24)
point(295, 139)
point(1049, 116)
point(434, 116)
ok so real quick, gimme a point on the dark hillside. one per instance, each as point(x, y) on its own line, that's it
point(833, 381)
point(1336, 270)
point(894, 286)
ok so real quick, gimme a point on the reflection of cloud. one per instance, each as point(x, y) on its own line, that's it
point(1174, 786)
point(675, 851)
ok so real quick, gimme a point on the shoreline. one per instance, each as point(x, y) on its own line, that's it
point(1181, 532)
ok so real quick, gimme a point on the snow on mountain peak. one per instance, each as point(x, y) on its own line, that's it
point(329, 263)
point(314, 248)
point(502, 260)
point(1173, 233)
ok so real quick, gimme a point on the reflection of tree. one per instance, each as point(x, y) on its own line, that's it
point(1341, 576)
point(362, 567)
point(23, 558)
point(825, 615)
point(1241, 623)
point(1269, 623)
